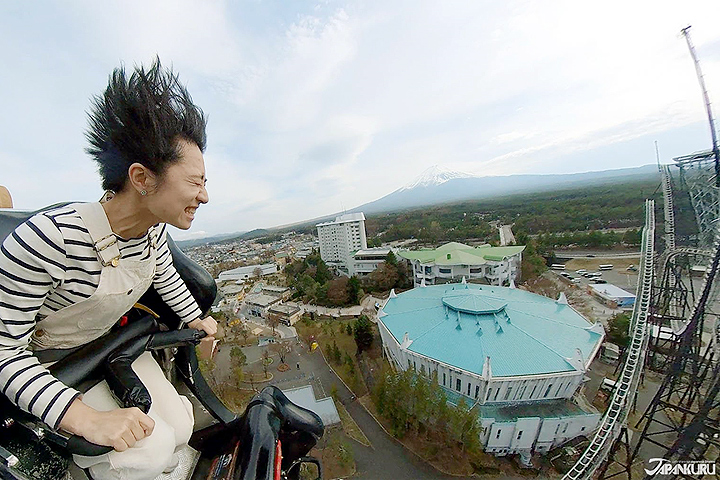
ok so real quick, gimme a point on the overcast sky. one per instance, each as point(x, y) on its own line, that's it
point(315, 107)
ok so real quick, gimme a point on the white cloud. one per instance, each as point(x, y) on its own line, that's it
point(318, 106)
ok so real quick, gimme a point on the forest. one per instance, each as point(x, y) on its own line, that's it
point(586, 210)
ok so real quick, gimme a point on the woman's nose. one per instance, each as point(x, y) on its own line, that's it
point(203, 195)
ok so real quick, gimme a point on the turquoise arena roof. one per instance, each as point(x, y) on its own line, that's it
point(461, 324)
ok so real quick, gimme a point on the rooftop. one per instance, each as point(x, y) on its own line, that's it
point(454, 253)
point(348, 217)
point(611, 290)
point(261, 299)
point(462, 324)
point(378, 251)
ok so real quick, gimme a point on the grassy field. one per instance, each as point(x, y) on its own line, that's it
point(592, 264)
point(351, 428)
point(335, 454)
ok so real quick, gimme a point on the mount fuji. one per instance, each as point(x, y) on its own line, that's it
point(438, 185)
point(433, 176)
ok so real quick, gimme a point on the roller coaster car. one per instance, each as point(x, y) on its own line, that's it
point(269, 441)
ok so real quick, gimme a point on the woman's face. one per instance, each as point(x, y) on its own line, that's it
point(181, 190)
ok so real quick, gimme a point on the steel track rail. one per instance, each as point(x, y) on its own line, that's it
point(615, 416)
point(669, 208)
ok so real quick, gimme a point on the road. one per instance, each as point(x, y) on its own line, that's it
point(386, 459)
point(506, 235)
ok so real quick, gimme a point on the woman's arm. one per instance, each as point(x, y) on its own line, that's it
point(169, 285)
point(32, 263)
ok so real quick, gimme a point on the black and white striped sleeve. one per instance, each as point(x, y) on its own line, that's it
point(32, 263)
point(168, 283)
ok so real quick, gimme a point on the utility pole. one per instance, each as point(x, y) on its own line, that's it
point(686, 33)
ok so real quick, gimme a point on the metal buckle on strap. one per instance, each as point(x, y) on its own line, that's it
point(104, 243)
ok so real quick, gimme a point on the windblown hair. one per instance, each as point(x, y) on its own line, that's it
point(140, 120)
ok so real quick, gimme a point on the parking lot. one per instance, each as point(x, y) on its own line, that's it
point(619, 275)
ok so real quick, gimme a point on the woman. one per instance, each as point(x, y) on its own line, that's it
point(68, 274)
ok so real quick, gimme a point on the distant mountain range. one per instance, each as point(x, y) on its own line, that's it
point(258, 232)
point(438, 185)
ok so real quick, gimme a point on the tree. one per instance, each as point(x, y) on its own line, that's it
point(265, 361)
point(632, 237)
point(384, 277)
point(349, 329)
point(338, 292)
point(349, 362)
point(619, 330)
point(273, 320)
point(353, 289)
point(322, 274)
point(257, 273)
point(335, 354)
point(245, 331)
point(237, 356)
point(363, 334)
point(282, 349)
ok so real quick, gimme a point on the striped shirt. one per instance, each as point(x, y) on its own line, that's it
point(49, 263)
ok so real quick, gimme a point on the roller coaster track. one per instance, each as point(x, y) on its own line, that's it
point(669, 208)
point(615, 417)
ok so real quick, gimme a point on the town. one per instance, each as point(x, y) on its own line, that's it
point(409, 337)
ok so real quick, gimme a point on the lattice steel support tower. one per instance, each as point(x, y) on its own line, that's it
point(687, 405)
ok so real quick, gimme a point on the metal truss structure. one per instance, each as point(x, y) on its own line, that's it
point(697, 173)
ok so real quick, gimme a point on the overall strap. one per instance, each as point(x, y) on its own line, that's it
point(104, 240)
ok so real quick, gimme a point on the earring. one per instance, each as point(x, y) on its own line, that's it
point(143, 192)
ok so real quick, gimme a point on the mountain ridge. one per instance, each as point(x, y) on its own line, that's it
point(476, 188)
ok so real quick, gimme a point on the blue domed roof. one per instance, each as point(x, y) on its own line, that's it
point(463, 324)
point(473, 301)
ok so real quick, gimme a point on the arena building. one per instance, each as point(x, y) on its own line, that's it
point(517, 356)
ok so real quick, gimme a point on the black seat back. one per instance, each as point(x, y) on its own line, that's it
point(11, 219)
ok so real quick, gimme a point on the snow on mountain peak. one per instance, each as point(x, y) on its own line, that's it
point(435, 175)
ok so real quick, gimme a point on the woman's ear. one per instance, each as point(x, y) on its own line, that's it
point(141, 178)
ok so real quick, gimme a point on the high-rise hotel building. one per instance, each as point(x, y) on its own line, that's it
point(340, 239)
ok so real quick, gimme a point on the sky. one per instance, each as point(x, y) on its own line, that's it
point(317, 107)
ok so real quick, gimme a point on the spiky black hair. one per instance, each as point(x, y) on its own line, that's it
point(140, 120)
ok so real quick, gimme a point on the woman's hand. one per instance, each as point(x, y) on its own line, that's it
point(120, 428)
point(207, 324)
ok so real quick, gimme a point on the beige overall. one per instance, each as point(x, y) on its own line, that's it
point(122, 283)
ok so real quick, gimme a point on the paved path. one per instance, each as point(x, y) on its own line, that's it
point(386, 459)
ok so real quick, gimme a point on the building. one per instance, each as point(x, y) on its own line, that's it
point(282, 292)
point(518, 355)
point(367, 260)
point(453, 261)
point(242, 274)
point(324, 407)
point(258, 304)
point(339, 239)
point(289, 314)
point(612, 295)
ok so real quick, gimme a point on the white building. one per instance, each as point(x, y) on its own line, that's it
point(517, 355)
point(612, 295)
point(243, 273)
point(453, 261)
point(341, 238)
point(367, 260)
